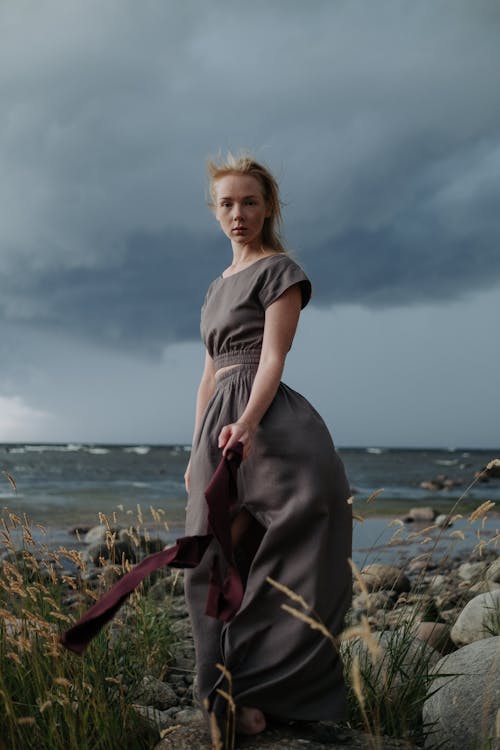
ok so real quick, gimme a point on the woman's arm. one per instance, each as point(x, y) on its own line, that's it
point(279, 329)
point(205, 392)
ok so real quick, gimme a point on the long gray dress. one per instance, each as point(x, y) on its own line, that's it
point(294, 486)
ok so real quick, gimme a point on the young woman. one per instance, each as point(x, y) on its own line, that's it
point(292, 522)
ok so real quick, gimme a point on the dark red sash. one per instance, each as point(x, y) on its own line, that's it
point(224, 592)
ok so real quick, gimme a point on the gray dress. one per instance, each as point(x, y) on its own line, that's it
point(294, 486)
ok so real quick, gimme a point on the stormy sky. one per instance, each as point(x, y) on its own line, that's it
point(382, 123)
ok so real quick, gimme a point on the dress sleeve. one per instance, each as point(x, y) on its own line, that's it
point(278, 277)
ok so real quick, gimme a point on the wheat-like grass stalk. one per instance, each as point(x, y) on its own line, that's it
point(375, 494)
point(288, 592)
point(481, 510)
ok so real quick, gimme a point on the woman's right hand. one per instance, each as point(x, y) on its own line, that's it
point(187, 476)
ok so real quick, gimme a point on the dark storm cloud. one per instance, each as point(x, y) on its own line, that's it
point(150, 296)
point(381, 120)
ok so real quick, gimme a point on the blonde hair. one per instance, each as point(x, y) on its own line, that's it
point(243, 164)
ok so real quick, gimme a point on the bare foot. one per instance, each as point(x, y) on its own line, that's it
point(250, 720)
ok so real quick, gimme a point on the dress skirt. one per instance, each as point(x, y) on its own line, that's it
point(294, 486)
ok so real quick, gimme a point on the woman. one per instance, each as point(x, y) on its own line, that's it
point(293, 522)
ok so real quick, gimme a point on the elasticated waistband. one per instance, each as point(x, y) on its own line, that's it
point(235, 373)
point(248, 357)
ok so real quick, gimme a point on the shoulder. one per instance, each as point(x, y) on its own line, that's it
point(277, 273)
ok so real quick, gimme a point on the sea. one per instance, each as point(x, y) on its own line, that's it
point(61, 486)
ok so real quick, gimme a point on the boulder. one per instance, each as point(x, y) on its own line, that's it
point(420, 565)
point(481, 587)
point(443, 521)
point(479, 619)
point(421, 515)
point(97, 534)
point(155, 719)
point(116, 553)
point(431, 485)
point(493, 571)
point(188, 716)
point(399, 656)
point(436, 635)
point(370, 603)
point(155, 693)
point(437, 582)
point(387, 577)
point(79, 529)
point(461, 709)
point(471, 571)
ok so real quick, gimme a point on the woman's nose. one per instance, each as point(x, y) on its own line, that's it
point(237, 212)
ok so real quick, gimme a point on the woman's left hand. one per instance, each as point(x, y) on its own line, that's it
point(237, 432)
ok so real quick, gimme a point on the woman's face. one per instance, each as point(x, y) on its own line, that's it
point(240, 208)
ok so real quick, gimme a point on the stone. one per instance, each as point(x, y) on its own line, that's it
point(493, 571)
point(79, 529)
point(479, 619)
point(420, 565)
point(399, 656)
point(437, 582)
point(188, 716)
point(156, 693)
point(481, 587)
point(97, 534)
point(443, 520)
point(422, 515)
point(471, 571)
point(372, 602)
point(432, 485)
point(387, 577)
point(436, 634)
point(461, 710)
point(181, 628)
point(170, 585)
point(119, 550)
point(156, 719)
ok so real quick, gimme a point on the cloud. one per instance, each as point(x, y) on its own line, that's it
point(20, 422)
point(383, 126)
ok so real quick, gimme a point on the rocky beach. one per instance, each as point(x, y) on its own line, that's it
point(413, 625)
point(421, 646)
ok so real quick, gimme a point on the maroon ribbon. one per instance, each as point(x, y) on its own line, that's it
point(225, 591)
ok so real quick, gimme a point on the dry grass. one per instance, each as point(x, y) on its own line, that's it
point(49, 698)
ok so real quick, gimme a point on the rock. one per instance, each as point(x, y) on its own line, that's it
point(188, 716)
point(181, 628)
point(443, 521)
point(422, 515)
point(493, 572)
point(461, 709)
point(481, 587)
point(154, 692)
point(171, 585)
point(437, 635)
point(118, 552)
point(387, 577)
point(79, 529)
point(493, 469)
point(283, 737)
point(479, 619)
point(156, 719)
point(431, 485)
point(370, 603)
point(97, 534)
point(421, 564)
point(400, 656)
point(471, 571)
point(437, 582)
